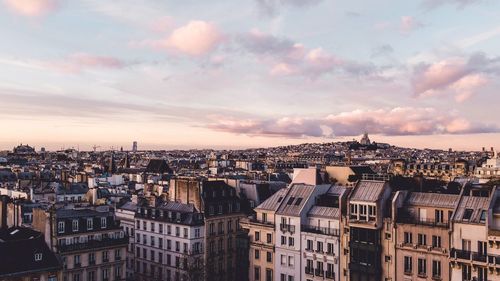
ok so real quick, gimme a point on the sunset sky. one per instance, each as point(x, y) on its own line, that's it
point(249, 73)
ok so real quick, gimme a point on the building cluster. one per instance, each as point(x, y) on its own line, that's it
point(332, 211)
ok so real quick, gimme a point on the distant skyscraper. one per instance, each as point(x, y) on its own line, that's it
point(134, 146)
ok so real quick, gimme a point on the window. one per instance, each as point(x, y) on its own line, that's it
point(422, 239)
point(436, 269)
point(152, 226)
point(160, 243)
point(408, 236)
point(92, 257)
point(197, 233)
point(269, 238)
point(466, 272)
point(422, 267)
point(438, 214)
point(483, 216)
point(408, 265)
point(269, 257)
point(269, 274)
point(38, 256)
point(291, 241)
point(290, 200)
point(257, 235)
point(103, 223)
point(309, 246)
point(75, 225)
point(169, 229)
point(77, 261)
point(90, 224)
point(467, 214)
point(283, 240)
point(160, 228)
point(257, 254)
point(105, 256)
point(283, 260)
point(298, 201)
point(282, 276)
point(329, 248)
point(290, 278)
point(91, 276)
point(436, 241)
point(264, 217)
point(319, 246)
point(220, 209)
point(257, 273)
point(76, 276)
point(117, 254)
point(290, 261)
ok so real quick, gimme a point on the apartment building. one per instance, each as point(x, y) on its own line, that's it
point(89, 240)
point(363, 246)
point(261, 231)
point(126, 214)
point(439, 170)
point(422, 235)
point(226, 254)
point(290, 216)
point(169, 242)
point(469, 256)
point(320, 236)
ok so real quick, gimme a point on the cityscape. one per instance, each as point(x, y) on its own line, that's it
point(249, 140)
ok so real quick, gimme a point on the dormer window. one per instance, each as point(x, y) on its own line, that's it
point(60, 227)
point(104, 223)
point(483, 216)
point(220, 209)
point(38, 256)
point(467, 214)
point(75, 225)
point(90, 224)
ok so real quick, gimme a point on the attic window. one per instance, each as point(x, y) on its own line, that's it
point(290, 200)
point(467, 214)
point(298, 201)
point(483, 216)
point(279, 199)
point(38, 256)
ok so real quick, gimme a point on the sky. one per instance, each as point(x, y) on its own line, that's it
point(249, 73)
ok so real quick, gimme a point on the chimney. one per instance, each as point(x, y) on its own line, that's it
point(3, 211)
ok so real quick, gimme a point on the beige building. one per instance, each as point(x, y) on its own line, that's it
point(422, 235)
point(261, 232)
point(438, 170)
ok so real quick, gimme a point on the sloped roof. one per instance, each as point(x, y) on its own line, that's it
point(272, 203)
point(324, 212)
point(368, 191)
point(295, 200)
point(25, 243)
point(448, 201)
point(158, 166)
point(474, 203)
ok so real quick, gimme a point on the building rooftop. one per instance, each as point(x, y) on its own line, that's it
point(424, 199)
point(368, 191)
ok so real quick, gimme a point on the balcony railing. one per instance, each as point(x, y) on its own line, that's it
point(475, 256)
point(320, 230)
point(408, 219)
point(330, 275)
point(287, 228)
point(92, 244)
point(319, 272)
point(309, 270)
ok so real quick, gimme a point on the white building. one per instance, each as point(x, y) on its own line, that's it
point(489, 170)
point(169, 242)
point(291, 214)
point(126, 214)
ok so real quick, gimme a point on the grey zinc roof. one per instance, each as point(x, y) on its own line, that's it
point(476, 204)
point(448, 201)
point(272, 203)
point(296, 191)
point(178, 207)
point(324, 212)
point(368, 191)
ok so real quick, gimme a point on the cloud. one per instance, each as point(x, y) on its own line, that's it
point(409, 24)
point(431, 4)
point(272, 7)
point(78, 62)
point(196, 38)
point(460, 75)
point(290, 58)
point(382, 50)
point(31, 8)
point(392, 122)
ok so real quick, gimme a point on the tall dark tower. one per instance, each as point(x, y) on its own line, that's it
point(112, 165)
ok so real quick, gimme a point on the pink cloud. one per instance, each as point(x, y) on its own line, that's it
point(461, 77)
point(162, 24)
point(78, 62)
point(31, 8)
point(409, 24)
point(393, 122)
point(195, 38)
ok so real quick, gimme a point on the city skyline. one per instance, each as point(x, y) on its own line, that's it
point(255, 73)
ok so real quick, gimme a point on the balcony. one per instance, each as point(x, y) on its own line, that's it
point(309, 270)
point(406, 218)
point(475, 257)
point(93, 244)
point(287, 228)
point(319, 272)
point(330, 275)
point(320, 230)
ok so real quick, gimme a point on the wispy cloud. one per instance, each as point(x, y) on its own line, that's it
point(431, 4)
point(409, 24)
point(273, 7)
point(32, 8)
